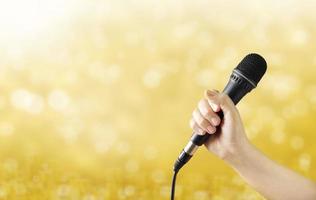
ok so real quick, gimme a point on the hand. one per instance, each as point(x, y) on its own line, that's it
point(228, 135)
point(230, 143)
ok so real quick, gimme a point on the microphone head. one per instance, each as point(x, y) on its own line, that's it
point(253, 66)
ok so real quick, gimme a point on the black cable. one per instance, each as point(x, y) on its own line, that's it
point(173, 186)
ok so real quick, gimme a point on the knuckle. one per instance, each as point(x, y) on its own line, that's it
point(192, 122)
point(201, 103)
point(209, 112)
point(202, 123)
point(203, 111)
point(195, 114)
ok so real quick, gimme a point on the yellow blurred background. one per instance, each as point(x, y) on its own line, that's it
point(96, 96)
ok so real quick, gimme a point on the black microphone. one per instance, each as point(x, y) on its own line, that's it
point(243, 79)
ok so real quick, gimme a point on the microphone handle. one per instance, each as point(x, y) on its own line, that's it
point(238, 86)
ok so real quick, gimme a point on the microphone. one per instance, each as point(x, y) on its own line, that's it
point(243, 79)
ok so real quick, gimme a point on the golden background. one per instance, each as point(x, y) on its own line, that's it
point(96, 96)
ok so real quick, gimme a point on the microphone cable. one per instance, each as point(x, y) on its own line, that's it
point(173, 186)
point(182, 159)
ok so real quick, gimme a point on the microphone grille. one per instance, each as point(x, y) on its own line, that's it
point(253, 66)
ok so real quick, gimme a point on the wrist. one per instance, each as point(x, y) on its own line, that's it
point(240, 155)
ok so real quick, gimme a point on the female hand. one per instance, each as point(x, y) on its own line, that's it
point(228, 135)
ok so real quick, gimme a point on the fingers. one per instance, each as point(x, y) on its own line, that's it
point(196, 128)
point(208, 113)
point(203, 123)
point(204, 119)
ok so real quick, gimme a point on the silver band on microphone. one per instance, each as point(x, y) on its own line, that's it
point(190, 148)
point(240, 74)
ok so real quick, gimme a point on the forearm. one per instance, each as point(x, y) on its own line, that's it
point(272, 180)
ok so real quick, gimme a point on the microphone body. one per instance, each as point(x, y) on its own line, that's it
point(237, 87)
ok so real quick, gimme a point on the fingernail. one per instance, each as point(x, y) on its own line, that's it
point(210, 93)
point(211, 129)
point(215, 121)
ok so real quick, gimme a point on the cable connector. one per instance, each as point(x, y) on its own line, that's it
point(183, 158)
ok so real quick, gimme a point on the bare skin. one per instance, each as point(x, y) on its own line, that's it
point(272, 180)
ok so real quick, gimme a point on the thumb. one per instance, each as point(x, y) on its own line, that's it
point(226, 104)
point(212, 97)
point(220, 102)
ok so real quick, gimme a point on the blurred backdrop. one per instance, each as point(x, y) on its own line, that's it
point(96, 96)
